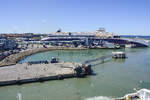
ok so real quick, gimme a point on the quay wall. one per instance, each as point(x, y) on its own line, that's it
point(23, 73)
point(15, 58)
point(40, 79)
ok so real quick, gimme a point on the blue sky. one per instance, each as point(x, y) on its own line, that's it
point(119, 16)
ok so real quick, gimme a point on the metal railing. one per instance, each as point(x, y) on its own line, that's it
point(137, 41)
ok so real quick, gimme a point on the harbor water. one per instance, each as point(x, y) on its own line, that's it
point(112, 79)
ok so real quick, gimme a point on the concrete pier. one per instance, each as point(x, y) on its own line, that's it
point(24, 73)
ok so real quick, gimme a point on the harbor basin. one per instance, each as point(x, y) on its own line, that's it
point(112, 79)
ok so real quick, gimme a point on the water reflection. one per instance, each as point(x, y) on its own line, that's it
point(119, 60)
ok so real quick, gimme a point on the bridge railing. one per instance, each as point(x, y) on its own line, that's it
point(137, 40)
point(98, 59)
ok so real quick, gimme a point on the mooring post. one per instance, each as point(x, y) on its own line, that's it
point(19, 96)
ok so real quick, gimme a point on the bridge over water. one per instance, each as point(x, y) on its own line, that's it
point(102, 59)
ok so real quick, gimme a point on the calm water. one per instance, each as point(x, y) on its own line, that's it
point(114, 78)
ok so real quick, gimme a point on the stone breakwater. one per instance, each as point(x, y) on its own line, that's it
point(15, 58)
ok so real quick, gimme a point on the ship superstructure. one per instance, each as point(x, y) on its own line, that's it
point(100, 38)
